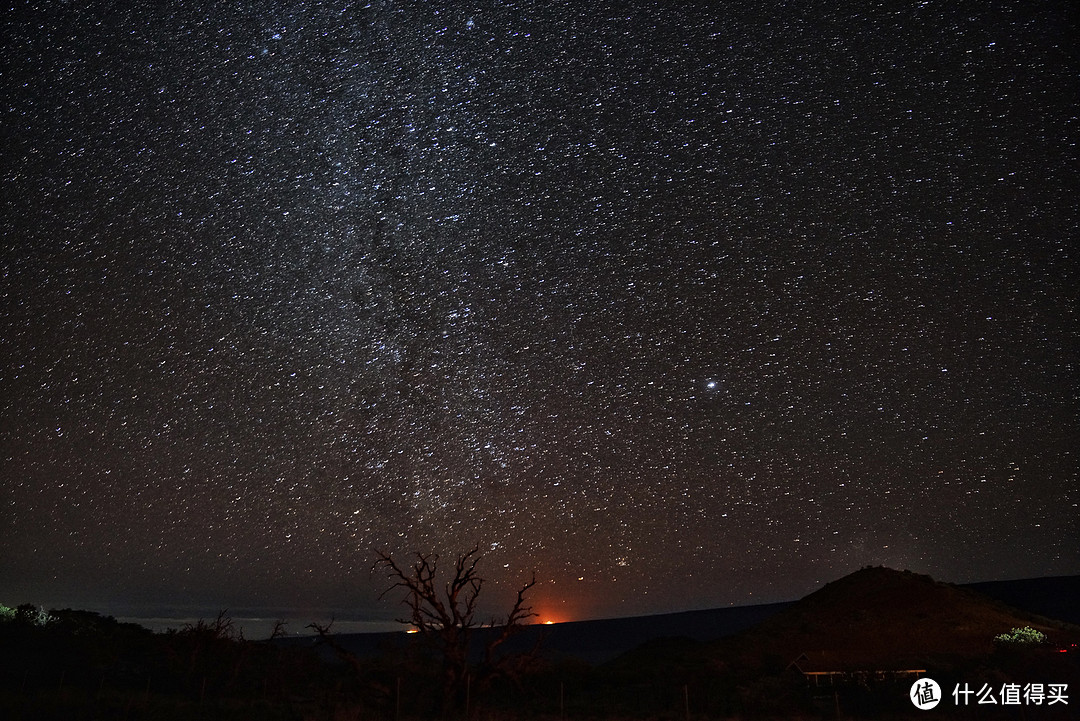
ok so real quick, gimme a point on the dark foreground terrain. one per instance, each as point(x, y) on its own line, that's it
point(850, 650)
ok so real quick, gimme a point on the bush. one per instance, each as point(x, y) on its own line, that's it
point(1026, 636)
point(31, 615)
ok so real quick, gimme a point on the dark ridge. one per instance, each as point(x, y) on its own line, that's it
point(593, 641)
point(1054, 596)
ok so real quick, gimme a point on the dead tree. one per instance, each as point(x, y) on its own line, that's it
point(446, 615)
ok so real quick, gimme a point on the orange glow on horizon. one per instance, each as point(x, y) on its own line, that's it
point(549, 611)
point(547, 619)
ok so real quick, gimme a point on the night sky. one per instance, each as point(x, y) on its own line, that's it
point(679, 305)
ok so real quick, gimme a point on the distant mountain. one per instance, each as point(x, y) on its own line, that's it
point(594, 641)
point(1054, 596)
point(601, 640)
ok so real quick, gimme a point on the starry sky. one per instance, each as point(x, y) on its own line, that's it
point(679, 305)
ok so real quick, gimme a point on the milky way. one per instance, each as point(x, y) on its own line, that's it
point(676, 307)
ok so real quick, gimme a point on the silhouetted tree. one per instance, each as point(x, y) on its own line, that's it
point(278, 631)
point(446, 615)
point(209, 652)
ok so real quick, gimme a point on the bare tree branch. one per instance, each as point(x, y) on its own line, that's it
point(514, 622)
point(447, 615)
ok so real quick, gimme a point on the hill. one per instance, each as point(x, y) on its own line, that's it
point(882, 619)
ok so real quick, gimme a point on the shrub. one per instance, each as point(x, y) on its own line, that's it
point(31, 615)
point(1026, 636)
